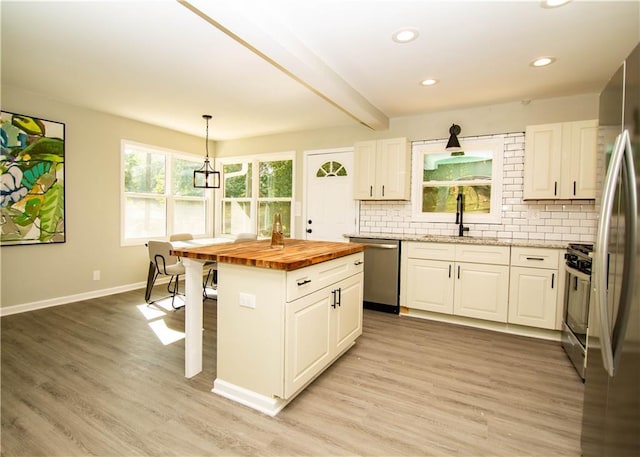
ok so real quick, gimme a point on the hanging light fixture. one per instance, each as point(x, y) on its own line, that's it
point(206, 177)
point(453, 145)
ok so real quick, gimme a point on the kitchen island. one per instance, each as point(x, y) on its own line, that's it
point(284, 315)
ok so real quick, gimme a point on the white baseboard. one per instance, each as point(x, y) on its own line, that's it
point(25, 307)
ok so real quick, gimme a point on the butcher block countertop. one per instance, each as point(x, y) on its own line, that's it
point(295, 254)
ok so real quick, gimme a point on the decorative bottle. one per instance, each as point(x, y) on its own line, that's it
point(277, 237)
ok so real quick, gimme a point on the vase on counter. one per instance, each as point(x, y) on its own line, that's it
point(277, 237)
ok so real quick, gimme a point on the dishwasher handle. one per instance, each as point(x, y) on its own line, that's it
point(380, 246)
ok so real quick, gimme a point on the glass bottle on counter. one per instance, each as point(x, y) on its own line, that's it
point(277, 237)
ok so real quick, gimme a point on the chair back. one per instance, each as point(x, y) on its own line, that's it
point(246, 237)
point(159, 255)
point(181, 237)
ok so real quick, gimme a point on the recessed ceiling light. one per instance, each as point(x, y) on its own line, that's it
point(553, 3)
point(405, 35)
point(543, 61)
point(428, 82)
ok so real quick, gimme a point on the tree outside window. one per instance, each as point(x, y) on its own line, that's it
point(158, 196)
point(250, 200)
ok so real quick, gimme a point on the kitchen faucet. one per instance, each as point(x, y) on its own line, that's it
point(459, 213)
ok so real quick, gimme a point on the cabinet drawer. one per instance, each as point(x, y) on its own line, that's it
point(535, 257)
point(307, 280)
point(431, 251)
point(477, 253)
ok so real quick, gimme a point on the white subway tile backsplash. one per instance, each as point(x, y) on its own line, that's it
point(571, 221)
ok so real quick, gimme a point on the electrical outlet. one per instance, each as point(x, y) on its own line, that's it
point(247, 300)
point(96, 275)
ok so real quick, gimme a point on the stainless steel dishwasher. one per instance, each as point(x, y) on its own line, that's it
point(381, 274)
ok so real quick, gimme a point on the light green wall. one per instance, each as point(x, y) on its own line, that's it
point(32, 274)
point(38, 273)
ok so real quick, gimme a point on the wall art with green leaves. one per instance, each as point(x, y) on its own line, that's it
point(32, 185)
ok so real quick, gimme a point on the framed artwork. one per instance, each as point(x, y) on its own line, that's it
point(32, 186)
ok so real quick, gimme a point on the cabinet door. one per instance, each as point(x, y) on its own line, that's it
point(348, 312)
point(481, 291)
point(430, 285)
point(392, 170)
point(579, 181)
point(364, 170)
point(307, 339)
point(542, 154)
point(532, 297)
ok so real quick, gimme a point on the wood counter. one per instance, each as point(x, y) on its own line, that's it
point(295, 254)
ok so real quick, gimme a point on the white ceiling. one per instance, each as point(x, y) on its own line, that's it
point(265, 67)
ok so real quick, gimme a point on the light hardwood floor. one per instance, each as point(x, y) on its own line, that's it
point(92, 378)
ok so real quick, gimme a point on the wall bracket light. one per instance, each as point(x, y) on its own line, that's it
point(453, 145)
point(206, 177)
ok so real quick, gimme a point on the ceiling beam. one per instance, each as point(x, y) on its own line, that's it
point(264, 35)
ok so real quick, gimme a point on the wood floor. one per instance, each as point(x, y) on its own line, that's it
point(92, 378)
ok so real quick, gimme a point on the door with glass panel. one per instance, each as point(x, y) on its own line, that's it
point(329, 207)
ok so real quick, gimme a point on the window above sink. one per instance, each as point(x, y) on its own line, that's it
point(438, 177)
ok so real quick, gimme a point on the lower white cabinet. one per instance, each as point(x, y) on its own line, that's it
point(318, 327)
point(461, 284)
point(278, 330)
point(430, 285)
point(482, 291)
point(512, 285)
point(534, 284)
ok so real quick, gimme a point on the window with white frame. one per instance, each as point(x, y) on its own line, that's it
point(158, 197)
point(439, 176)
point(254, 189)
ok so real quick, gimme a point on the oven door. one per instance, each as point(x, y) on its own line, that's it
point(576, 298)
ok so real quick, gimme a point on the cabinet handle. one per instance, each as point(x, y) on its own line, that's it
point(370, 191)
point(333, 300)
point(553, 278)
point(449, 270)
point(302, 283)
point(358, 262)
point(535, 258)
point(383, 190)
point(339, 296)
point(574, 188)
point(458, 271)
point(555, 188)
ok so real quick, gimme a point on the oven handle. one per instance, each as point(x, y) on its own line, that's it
point(618, 160)
point(577, 273)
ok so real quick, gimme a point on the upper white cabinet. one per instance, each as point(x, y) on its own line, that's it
point(560, 160)
point(382, 169)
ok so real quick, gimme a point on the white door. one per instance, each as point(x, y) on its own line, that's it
point(329, 207)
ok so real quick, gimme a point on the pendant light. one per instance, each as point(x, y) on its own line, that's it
point(206, 177)
point(453, 145)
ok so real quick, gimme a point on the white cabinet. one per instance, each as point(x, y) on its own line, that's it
point(382, 169)
point(319, 327)
point(278, 330)
point(460, 279)
point(482, 291)
point(560, 160)
point(534, 284)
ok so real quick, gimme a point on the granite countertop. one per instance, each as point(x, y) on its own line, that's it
point(295, 254)
point(463, 239)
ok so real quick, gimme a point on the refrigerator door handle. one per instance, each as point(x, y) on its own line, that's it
point(631, 231)
point(622, 145)
point(600, 254)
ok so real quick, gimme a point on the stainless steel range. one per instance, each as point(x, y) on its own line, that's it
point(576, 303)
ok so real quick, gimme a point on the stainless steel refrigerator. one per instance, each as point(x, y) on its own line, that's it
point(611, 415)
